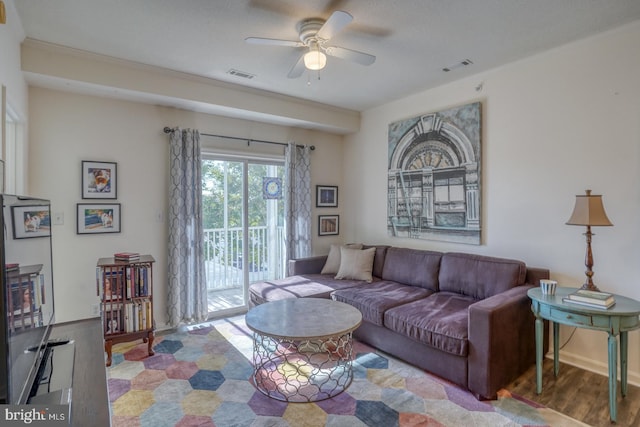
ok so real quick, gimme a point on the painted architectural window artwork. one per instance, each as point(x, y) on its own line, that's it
point(434, 190)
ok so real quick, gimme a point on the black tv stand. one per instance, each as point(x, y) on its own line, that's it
point(90, 397)
point(54, 342)
point(53, 384)
point(51, 343)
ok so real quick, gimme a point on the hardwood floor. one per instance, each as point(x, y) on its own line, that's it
point(580, 394)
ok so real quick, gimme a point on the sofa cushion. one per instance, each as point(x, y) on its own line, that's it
point(413, 267)
point(303, 286)
point(479, 276)
point(374, 299)
point(332, 264)
point(440, 320)
point(378, 260)
point(356, 264)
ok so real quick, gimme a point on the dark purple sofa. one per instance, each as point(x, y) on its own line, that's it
point(463, 317)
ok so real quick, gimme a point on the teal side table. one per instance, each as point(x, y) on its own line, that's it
point(617, 320)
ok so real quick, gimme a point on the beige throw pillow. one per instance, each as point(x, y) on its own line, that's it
point(332, 264)
point(356, 264)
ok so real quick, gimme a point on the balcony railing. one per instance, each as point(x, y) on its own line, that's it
point(224, 263)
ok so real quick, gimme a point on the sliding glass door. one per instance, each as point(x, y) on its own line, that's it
point(243, 213)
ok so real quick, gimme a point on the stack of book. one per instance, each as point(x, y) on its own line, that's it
point(12, 266)
point(126, 256)
point(593, 299)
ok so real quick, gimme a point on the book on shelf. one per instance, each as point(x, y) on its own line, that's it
point(12, 266)
point(593, 297)
point(126, 256)
point(137, 316)
point(112, 285)
point(27, 295)
point(27, 321)
point(113, 319)
point(26, 310)
point(39, 290)
point(588, 304)
point(99, 282)
point(142, 282)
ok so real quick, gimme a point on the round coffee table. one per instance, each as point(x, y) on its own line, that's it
point(302, 348)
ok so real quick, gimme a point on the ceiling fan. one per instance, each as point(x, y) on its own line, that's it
point(315, 34)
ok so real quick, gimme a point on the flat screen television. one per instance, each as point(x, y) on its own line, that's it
point(26, 283)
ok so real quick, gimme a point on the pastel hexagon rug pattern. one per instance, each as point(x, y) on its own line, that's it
point(201, 376)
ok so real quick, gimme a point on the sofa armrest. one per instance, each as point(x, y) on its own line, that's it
point(311, 265)
point(534, 274)
point(501, 341)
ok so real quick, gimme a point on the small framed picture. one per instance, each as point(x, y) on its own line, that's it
point(271, 188)
point(99, 180)
point(98, 218)
point(326, 196)
point(113, 322)
point(31, 221)
point(328, 225)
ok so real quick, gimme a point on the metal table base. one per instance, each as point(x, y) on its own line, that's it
point(302, 370)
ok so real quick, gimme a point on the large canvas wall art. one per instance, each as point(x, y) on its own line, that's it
point(434, 190)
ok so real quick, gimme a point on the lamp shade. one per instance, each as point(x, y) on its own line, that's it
point(315, 60)
point(589, 210)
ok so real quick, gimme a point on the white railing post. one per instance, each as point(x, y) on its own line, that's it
point(223, 256)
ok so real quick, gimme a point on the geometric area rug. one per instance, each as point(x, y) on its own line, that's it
point(200, 376)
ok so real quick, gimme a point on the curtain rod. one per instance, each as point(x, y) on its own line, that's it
point(167, 129)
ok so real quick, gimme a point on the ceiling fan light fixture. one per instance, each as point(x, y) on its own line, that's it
point(315, 60)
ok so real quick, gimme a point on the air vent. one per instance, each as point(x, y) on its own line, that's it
point(242, 74)
point(462, 63)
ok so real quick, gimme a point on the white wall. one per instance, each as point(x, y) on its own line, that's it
point(67, 128)
point(553, 125)
point(11, 34)
point(16, 91)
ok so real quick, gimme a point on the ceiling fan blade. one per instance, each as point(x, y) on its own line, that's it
point(351, 55)
point(336, 22)
point(297, 69)
point(273, 42)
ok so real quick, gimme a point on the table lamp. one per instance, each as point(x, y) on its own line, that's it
point(589, 211)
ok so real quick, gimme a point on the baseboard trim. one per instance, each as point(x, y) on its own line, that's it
point(591, 365)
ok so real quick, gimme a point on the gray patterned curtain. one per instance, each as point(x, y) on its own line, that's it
point(187, 292)
point(298, 201)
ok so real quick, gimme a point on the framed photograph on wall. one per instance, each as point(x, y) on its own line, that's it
point(99, 180)
point(326, 196)
point(31, 221)
point(98, 218)
point(328, 225)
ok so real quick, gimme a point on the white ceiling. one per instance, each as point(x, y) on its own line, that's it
point(412, 39)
